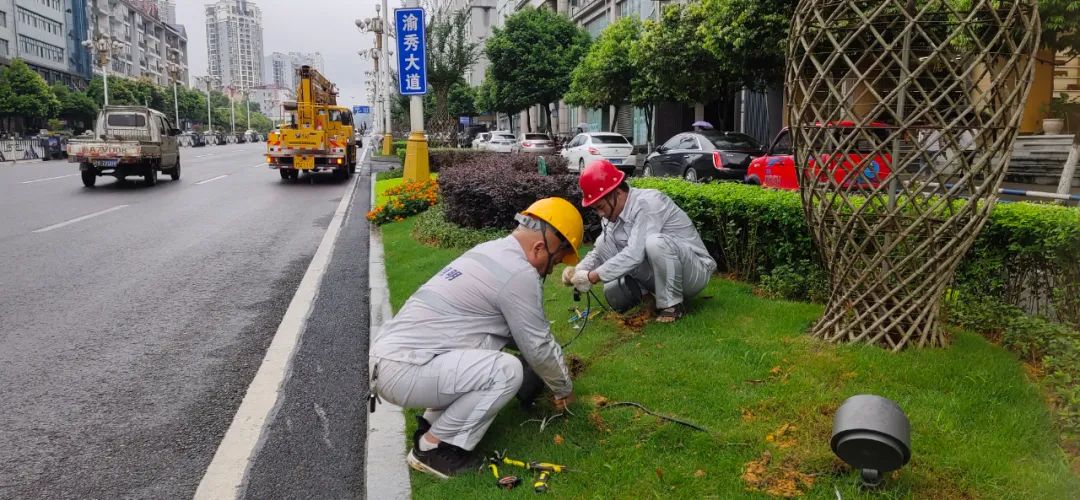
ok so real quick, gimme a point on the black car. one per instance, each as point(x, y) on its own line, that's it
point(704, 155)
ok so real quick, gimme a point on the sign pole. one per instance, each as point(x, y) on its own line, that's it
point(412, 71)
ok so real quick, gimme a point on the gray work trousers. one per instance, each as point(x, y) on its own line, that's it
point(671, 271)
point(461, 390)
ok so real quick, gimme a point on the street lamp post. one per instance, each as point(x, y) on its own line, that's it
point(232, 112)
point(103, 47)
point(174, 72)
point(380, 27)
point(210, 79)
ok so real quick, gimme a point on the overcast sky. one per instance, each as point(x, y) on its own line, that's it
point(324, 26)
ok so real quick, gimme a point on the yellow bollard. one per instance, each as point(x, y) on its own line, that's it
point(387, 145)
point(416, 158)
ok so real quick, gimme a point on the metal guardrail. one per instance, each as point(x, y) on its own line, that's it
point(20, 149)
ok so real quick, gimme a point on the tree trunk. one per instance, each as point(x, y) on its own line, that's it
point(528, 120)
point(648, 110)
point(547, 111)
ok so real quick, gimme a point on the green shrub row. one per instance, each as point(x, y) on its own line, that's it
point(433, 229)
point(1027, 255)
point(395, 173)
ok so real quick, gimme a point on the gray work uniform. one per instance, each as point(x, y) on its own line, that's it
point(442, 351)
point(653, 241)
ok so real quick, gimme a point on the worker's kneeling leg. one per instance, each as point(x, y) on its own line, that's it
point(464, 389)
point(678, 273)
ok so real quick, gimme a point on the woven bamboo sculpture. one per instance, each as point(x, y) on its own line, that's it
point(903, 115)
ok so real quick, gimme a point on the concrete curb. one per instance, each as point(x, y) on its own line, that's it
point(387, 473)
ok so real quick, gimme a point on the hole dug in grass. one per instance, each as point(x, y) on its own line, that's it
point(742, 367)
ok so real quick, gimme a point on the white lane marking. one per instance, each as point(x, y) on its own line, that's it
point(79, 219)
point(226, 477)
point(204, 156)
point(212, 179)
point(258, 165)
point(48, 179)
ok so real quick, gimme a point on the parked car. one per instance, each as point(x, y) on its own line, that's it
point(480, 142)
point(501, 142)
point(590, 146)
point(533, 142)
point(468, 135)
point(196, 140)
point(53, 147)
point(776, 169)
point(704, 155)
point(127, 141)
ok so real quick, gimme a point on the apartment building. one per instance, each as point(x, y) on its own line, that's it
point(235, 44)
point(271, 99)
point(281, 69)
point(149, 42)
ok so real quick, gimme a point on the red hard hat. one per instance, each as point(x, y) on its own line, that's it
point(598, 179)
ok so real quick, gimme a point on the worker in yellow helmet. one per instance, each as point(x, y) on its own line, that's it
point(443, 350)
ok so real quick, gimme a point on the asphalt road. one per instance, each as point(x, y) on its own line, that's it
point(132, 319)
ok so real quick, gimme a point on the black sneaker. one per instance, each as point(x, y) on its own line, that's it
point(422, 426)
point(444, 461)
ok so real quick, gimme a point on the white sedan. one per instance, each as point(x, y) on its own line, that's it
point(501, 142)
point(480, 142)
point(591, 146)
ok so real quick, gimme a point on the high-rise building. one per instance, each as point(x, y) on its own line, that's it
point(281, 69)
point(166, 10)
point(235, 43)
point(149, 43)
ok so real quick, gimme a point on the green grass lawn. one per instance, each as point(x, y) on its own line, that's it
point(741, 366)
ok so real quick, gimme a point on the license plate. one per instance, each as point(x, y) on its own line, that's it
point(304, 162)
point(105, 163)
point(615, 161)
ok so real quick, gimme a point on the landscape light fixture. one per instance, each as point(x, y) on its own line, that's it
point(872, 434)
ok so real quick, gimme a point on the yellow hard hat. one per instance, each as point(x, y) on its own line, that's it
point(565, 218)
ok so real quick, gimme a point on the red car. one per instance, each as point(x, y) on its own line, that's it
point(777, 168)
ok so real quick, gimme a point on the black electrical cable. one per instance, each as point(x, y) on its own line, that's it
point(588, 312)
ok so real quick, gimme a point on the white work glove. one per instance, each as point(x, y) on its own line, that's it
point(581, 280)
point(567, 275)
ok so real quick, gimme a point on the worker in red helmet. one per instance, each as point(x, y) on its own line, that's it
point(647, 245)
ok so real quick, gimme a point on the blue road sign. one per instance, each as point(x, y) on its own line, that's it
point(361, 110)
point(411, 53)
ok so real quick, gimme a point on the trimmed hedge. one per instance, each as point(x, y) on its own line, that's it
point(433, 229)
point(485, 190)
point(442, 158)
point(1027, 255)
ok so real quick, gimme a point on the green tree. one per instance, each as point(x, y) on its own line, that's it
point(606, 75)
point(462, 99)
point(672, 63)
point(747, 38)
point(120, 91)
point(449, 55)
point(493, 96)
point(532, 58)
point(77, 108)
point(1060, 25)
point(25, 94)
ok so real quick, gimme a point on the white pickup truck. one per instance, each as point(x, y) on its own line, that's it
point(127, 141)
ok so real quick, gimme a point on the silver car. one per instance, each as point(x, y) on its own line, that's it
point(532, 142)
